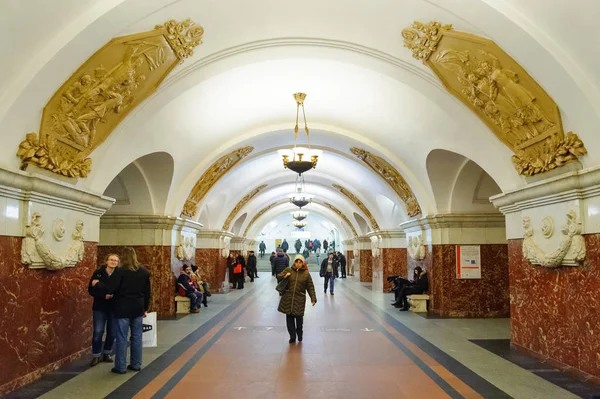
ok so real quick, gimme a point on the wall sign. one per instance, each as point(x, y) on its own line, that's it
point(468, 262)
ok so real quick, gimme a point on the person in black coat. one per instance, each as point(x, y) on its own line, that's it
point(238, 278)
point(284, 245)
point(130, 285)
point(281, 262)
point(251, 267)
point(342, 263)
point(329, 270)
point(188, 288)
point(272, 261)
point(102, 310)
point(419, 286)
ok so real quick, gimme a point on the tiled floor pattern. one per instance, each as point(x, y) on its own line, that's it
point(356, 346)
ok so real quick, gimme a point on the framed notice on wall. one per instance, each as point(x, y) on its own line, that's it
point(468, 261)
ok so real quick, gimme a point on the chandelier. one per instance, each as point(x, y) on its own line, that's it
point(300, 159)
point(299, 224)
point(300, 198)
point(299, 215)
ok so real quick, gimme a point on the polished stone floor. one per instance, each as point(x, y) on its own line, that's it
point(355, 346)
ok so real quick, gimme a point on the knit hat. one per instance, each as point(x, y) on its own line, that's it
point(299, 257)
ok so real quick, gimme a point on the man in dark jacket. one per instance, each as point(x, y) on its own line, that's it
point(342, 263)
point(280, 262)
point(262, 247)
point(284, 245)
point(272, 260)
point(102, 311)
point(329, 269)
point(419, 286)
point(325, 245)
point(187, 287)
point(252, 270)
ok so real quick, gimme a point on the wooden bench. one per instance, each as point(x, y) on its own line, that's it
point(418, 302)
point(183, 304)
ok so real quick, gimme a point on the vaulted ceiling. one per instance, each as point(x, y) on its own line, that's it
point(364, 90)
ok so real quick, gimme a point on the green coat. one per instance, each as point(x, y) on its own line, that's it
point(293, 300)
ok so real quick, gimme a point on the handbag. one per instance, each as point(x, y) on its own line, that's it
point(237, 269)
point(282, 286)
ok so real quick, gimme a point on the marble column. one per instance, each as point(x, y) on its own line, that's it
point(212, 248)
point(554, 295)
point(156, 240)
point(365, 259)
point(47, 319)
point(389, 248)
point(432, 245)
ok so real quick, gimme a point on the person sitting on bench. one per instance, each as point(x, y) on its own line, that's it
point(418, 286)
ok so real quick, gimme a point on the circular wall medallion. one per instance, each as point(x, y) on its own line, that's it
point(58, 229)
point(547, 226)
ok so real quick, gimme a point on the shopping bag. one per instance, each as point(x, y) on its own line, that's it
point(149, 339)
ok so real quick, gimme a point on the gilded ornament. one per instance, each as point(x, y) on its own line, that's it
point(241, 204)
point(340, 214)
point(388, 173)
point(210, 177)
point(502, 94)
point(360, 205)
point(85, 110)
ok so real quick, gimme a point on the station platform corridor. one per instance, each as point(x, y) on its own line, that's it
point(355, 346)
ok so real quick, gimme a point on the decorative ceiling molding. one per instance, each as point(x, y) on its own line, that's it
point(388, 173)
point(210, 177)
point(241, 204)
point(358, 203)
point(85, 110)
point(340, 214)
point(500, 92)
point(281, 202)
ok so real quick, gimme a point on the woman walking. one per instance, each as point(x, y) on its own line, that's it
point(130, 285)
point(293, 300)
point(102, 310)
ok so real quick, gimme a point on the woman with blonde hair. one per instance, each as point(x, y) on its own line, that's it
point(102, 310)
point(293, 299)
point(131, 288)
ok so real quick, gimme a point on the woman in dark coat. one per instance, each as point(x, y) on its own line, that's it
point(230, 265)
point(102, 310)
point(293, 300)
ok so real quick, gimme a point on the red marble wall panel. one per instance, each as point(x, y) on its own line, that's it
point(366, 265)
point(40, 309)
point(157, 259)
point(211, 266)
point(556, 312)
point(485, 297)
point(394, 264)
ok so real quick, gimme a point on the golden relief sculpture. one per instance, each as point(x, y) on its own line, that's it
point(84, 111)
point(340, 214)
point(210, 177)
point(392, 177)
point(241, 204)
point(513, 105)
point(260, 213)
point(360, 205)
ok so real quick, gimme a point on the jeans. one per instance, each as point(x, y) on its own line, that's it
point(195, 300)
point(122, 330)
point(329, 278)
point(102, 319)
point(294, 325)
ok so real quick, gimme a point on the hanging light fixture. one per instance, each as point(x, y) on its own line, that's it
point(299, 224)
point(300, 159)
point(299, 215)
point(300, 198)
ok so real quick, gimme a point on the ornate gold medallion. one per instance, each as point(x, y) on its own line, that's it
point(504, 96)
point(98, 96)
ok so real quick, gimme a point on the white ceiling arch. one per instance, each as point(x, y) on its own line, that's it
point(364, 88)
point(283, 208)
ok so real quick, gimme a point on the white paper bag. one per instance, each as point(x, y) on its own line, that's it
point(149, 331)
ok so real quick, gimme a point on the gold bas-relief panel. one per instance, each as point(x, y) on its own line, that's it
point(241, 204)
point(358, 203)
point(98, 96)
point(210, 177)
point(504, 96)
point(340, 214)
point(392, 177)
